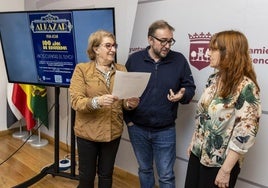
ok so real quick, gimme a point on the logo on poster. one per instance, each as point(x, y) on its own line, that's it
point(198, 54)
point(51, 24)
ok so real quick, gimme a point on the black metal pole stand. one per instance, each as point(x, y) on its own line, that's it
point(54, 168)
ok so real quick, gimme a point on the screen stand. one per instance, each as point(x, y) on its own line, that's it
point(54, 168)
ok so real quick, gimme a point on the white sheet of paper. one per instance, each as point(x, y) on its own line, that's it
point(130, 84)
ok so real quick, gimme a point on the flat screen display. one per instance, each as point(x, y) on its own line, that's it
point(43, 47)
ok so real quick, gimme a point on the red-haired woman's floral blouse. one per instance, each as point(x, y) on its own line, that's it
point(223, 124)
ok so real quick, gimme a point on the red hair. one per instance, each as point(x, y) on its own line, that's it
point(235, 61)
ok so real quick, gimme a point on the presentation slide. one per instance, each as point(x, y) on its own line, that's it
point(43, 47)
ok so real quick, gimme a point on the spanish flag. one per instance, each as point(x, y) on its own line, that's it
point(31, 101)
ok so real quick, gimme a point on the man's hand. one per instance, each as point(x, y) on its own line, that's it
point(132, 102)
point(175, 97)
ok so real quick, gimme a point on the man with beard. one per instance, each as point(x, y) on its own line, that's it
point(151, 126)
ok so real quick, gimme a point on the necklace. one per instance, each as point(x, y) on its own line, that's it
point(105, 71)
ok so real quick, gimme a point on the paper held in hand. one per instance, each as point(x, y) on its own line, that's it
point(130, 84)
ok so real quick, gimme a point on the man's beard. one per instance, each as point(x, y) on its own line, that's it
point(159, 54)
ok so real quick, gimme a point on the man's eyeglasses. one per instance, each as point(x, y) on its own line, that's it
point(109, 46)
point(163, 42)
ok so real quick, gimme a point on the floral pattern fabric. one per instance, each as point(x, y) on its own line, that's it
point(226, 123)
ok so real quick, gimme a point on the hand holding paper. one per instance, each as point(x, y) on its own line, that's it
point(132, 102)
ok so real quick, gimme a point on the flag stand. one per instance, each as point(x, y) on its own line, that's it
point(30, 138)
point(39, 142)
point(54, 168)
point(20, 134)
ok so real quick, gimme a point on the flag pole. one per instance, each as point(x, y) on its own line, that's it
point(40, 142)
point(30, 138)
point(20, 134)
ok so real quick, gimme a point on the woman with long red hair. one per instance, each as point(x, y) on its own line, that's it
point(227, 115)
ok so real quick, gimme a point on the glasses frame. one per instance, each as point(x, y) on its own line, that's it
point(171, 42)
point(109, 46)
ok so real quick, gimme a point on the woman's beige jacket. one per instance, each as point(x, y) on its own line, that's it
point(101, 125)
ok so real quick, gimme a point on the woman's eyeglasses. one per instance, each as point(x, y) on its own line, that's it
point(163, 42)
point(109, 46)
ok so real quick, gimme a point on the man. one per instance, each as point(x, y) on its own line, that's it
point(151, 126)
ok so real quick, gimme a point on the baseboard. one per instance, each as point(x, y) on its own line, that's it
point(6, 132)
point(51, 140)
